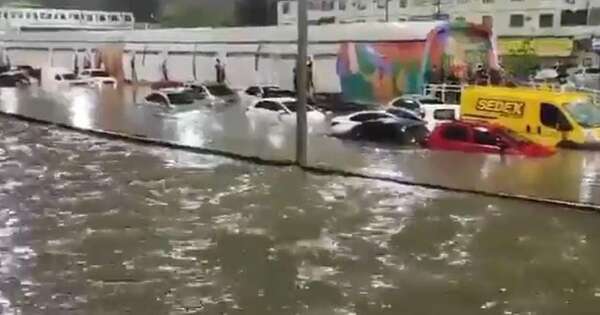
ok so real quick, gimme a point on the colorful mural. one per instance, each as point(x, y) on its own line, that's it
point(377, 72)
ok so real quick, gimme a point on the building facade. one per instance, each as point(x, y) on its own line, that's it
point(553, 28)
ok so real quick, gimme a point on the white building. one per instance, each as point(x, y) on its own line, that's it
point(554, 27)
point(508, 17)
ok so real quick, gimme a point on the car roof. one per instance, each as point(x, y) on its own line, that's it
point(279, 99)
point(173, 90)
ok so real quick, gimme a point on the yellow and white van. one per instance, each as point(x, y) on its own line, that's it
point(547, 117)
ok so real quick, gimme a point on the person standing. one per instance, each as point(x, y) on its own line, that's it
point(220, 71)
point(309, 76)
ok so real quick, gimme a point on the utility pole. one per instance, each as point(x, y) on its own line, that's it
point(301, 123)
point(387, 10)
point(438, 9)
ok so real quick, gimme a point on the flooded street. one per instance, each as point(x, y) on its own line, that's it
point(96, 226)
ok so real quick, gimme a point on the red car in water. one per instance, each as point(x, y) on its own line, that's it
point(475, 137)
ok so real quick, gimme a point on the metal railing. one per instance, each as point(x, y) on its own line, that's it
point(447, 93)
point(450, 93)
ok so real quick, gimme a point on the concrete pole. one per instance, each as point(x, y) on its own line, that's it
point(387, 10)
point(301, 126)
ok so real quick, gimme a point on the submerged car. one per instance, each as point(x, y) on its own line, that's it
point(476, 137)
point(431, 109)
point(213, 93)
point(267, 91)
point(172, 98)
point(381, 126)
point(98, 78)
point(14, 79)
point(62, 78)
point(282, 110)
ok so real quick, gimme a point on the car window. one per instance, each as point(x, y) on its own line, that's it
point(70, 76)
point(156, 98)
point(293, 105)
point(484, 137)
point(180, 98)
point(253, 90)
point(456, 133)
point(592, 70)
point(444, 114)
point(401, 113)
point(552, 117)
point(369, 116)
point(219, 90)
point(267, 105)
point(99, 74)
point(408, 104)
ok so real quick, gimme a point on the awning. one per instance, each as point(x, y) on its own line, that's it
point(541, 46)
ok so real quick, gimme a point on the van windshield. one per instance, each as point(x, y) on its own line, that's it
point(586, 114)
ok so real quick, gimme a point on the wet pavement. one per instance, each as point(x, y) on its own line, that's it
point(97, 226)
point(569, 175)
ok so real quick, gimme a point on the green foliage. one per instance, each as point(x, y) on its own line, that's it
point(521, 61)
point(194, 17)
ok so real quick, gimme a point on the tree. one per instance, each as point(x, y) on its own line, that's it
point(522, 60)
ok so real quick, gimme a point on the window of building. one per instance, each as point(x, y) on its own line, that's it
point(573, 18)
point(74, 16)
point(381, 4)
point(403, 3)
point(460, 18)
point(6, 15)
point(129, 19)
point(327, 5)
point(342, 5)
point(456, 133)
point(594, 18)
point(35, 16)
point(102, 18)
point(89, 17)
point(487, 1)
point(28, 15)
point(487, 20)
point(114, 18)
point(286, 8)
point(546, 20)
point(20, 15)
point(517, 20)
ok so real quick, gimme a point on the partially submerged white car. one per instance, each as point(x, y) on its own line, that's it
point(282, 110)
point(98, 78)
point(173, 98)
point(59, 78)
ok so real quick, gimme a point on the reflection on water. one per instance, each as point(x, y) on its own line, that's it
point(92, 226)
point(570, 175)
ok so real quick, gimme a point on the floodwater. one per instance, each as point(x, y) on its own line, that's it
point(96, 226)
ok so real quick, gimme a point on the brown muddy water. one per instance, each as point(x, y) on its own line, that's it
point(97, 226)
